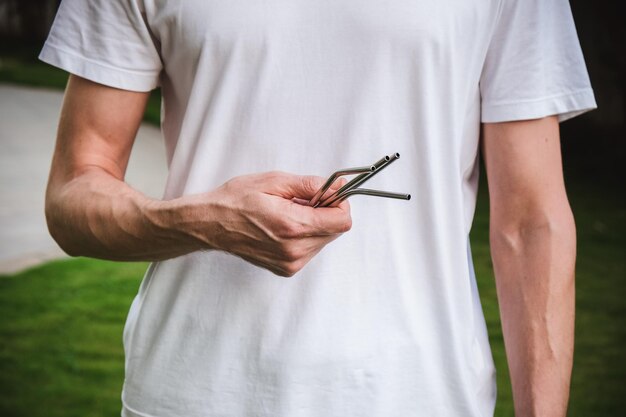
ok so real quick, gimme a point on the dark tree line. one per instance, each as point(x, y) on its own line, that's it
point(27, 20)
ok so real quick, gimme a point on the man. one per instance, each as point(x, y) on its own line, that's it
point(386, 319)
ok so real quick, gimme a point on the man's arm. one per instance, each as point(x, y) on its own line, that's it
point(91, 211)
point(533, 246)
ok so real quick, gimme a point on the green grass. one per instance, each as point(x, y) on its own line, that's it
point(60, 333)
point(19, 65)
point(60, 338)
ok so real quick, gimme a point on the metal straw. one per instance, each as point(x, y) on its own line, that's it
point(375, 193)
point(335, 175)
point(353, 181)
point(380, 165)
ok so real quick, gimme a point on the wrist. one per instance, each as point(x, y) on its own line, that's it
point(181, 221)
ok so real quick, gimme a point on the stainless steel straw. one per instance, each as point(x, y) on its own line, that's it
point(380, 165)
point(350, 188)
point(335, 176)
point(353, 181)
point(375, 193)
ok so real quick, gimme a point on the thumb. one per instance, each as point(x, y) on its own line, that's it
point(301, 187)
point(309, 185)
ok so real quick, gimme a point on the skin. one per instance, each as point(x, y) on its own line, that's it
point(533, 246)
point(92, 212)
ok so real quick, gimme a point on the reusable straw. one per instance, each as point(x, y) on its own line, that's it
point(375, 193)
point(351, 188)
point(380, 165)
point(335, 175)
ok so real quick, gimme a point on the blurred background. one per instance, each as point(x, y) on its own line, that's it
point(61, 320)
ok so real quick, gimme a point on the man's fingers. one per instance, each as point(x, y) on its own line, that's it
point(334, 219)
point(338, 184)
point(300, 201)
point(327, 221)
point(301, 220)
point(307, 221)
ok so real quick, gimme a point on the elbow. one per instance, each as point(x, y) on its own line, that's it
point(535, 252)
point(59, 227)
point(534, 257)
point(537, 229)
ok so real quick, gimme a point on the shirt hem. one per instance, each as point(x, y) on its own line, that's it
point(131, 412)
point(98, 72)
point(565, 106)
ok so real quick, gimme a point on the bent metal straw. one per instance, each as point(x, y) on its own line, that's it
point(375, 193)
point(335, 176)
point(350, 188)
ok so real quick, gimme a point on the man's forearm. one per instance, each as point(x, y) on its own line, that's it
point(253, 216)
point(99, 216)
point(534, 266)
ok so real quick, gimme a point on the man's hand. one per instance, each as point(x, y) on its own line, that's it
point(255, 217)
point(92, 212)
point(533, 246)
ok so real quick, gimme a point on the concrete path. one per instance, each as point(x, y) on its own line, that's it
point(28, 122)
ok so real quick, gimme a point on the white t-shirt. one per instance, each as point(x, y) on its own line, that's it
point(386, 320)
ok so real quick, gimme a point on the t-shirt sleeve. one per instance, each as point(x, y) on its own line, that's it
point(534, 66)
point(106, 41)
